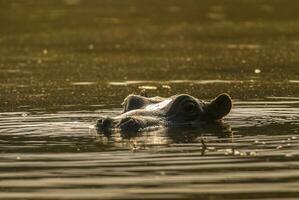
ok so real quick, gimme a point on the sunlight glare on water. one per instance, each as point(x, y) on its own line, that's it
point(54, 155)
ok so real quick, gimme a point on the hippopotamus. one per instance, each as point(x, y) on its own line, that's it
point(141, 112)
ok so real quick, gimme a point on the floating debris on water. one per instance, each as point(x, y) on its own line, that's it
point(243, 154)
point(83, 83)
point(147, 87)
point(252, 153)
point(39, 61)
point(90, 46)
point(45, 51)
point(24, 114)
point(236, 152)
point(288, 155)
point(211, 148)
point(243, 46)
point(257, 71)
point(229, 151)
point(279, 147)
point(166, 86)
point(204, 146)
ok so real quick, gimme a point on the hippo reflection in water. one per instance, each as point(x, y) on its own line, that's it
point(140, 112)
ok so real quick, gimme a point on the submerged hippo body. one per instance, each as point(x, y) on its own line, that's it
point(140, 111)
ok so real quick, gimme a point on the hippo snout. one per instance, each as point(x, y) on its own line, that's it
point(127, 123)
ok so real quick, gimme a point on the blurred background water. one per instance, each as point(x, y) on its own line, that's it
point(63, 63)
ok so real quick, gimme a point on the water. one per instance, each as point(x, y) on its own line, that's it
point(60, 155)
point(65, 63)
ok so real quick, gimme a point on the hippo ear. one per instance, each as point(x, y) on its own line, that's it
point(218, 107)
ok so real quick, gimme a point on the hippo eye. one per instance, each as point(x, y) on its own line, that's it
point(189, 107)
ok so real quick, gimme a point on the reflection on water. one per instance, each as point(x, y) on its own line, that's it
point(57, 155)
point(161, 136)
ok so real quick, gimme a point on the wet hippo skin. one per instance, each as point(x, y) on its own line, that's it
point(140, 111)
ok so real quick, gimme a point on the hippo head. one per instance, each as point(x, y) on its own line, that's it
point(141, 112)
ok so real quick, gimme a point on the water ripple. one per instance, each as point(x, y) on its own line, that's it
point(60, 155)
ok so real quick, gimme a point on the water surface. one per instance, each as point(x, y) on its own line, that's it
point(65, 63)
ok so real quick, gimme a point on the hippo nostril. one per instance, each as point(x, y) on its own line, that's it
point(104, 122)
